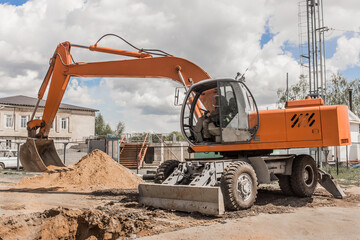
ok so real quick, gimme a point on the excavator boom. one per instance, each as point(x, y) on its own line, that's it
point(38, 152)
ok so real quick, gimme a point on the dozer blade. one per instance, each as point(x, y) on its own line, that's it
point(206, 200)
point(37, 154)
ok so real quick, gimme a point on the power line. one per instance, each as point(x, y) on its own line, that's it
point(342, 30)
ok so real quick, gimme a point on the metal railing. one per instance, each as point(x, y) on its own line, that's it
point(142, 152)
point(121, 141)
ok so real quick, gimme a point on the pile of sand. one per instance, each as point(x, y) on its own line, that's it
point(94, 171)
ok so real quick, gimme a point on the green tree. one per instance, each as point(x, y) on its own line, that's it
point(157, 138)
point(138, 137)
point(337, 92)
point(355, 86)
point(107, 130)
point(179, 136)
point(296, 92)
point(99, 124)
point(101, 128)
point(120, 127)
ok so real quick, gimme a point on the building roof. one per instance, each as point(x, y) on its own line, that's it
point(24, 101)
point(353, 118)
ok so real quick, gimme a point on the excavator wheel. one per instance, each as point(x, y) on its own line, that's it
point(239, 186)
point(285, 185)
point(304, 176)
point(165, 169)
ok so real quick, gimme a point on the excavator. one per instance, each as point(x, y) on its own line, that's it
point(217, 115)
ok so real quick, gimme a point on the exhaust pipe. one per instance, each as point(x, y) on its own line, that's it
point(37, 154)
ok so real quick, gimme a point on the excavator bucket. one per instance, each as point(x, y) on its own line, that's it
point(37, 154)
point(206, 200)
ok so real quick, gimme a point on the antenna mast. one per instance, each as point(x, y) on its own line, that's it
point(312, 46)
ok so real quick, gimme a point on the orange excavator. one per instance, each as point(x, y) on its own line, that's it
point(39, 152)
point(218, 115)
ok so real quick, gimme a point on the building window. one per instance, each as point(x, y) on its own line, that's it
point(23, 121)
point(9, 121)
point(53, 124)
point(37, 118)
point(8, 144)
point(64, 122)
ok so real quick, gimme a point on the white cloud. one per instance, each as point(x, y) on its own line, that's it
point(149, 96)
point(341, 16)
point(27, 82)
point(347, 54)
point(78, 93)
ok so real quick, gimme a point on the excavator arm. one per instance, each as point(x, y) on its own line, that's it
point(144, 66)
point(38, 152)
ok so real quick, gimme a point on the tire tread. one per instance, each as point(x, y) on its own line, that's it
point(296, 178)
point(227, 181)
point(164, 170)
point(285, 185)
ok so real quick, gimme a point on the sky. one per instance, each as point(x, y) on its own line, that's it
point(223, 37)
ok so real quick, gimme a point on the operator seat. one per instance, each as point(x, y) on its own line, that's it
point(232, 107)
point(214, 127)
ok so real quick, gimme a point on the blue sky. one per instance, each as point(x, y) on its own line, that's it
point(267, 35)
point(224, 38)
point(349, 73)
point(13, 2)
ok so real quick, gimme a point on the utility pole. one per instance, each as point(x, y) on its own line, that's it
point(312, 46)
point(287, 86)
point(312, 50)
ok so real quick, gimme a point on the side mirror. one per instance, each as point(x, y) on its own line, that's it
point(177, 96)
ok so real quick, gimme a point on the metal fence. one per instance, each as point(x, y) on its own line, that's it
point(72, 151)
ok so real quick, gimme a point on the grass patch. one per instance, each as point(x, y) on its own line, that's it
point(347, 176)
point(3, 182)
point(8, 172)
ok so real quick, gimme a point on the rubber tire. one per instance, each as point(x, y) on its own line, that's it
point(285, 185)
point(2, 166)
point(298, 184)
point(165, 169)
point(228, 186)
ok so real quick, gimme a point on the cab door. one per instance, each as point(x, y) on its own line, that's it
point(238, 112)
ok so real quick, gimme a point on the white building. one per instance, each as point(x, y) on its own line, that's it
point(72, 123)
point(351, 152)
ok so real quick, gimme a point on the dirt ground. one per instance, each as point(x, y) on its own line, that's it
point(304, 223)
point(115, 214)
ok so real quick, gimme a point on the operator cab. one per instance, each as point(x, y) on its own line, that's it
point(219, 111)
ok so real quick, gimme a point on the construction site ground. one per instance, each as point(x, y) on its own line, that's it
point(115, 214)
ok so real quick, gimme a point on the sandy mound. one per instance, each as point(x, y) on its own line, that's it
point(94, 171)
